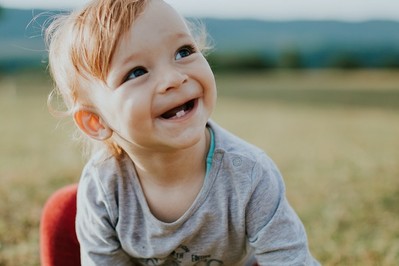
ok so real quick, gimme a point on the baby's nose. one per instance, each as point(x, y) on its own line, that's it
point(171, 79)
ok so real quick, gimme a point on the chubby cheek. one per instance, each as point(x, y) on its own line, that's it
point(123, 110)
point(209, 85)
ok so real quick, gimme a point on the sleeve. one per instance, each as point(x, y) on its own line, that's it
point(274, 230)
point(95, 224)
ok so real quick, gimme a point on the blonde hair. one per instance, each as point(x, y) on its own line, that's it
point(81, 45)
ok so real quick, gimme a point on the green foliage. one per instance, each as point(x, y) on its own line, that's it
point(345, 61)
point(291, 59)
point(238, 62)
point(391, 61)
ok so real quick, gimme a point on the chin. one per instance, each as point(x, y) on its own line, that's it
point(191, 137)
point(187, 138)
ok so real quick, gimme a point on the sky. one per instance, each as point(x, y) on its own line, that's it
point(348, 10)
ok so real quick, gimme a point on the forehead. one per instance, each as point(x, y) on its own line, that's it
point(159, 15)
point(158, 21)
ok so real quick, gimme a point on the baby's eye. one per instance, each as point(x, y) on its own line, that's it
point(184, 52)
point(135, 73)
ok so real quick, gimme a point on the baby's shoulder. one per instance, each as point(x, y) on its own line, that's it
point(245, 167)
point(107, 170)
point(240, 156)
point(235, 147)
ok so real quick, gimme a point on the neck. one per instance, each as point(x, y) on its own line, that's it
point(174, 167)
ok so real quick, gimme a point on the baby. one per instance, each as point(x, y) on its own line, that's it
point(165, 185)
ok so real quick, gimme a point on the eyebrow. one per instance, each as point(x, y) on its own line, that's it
point(177, 36)
point(113, 76)
point(131, 57)
point(181, 35)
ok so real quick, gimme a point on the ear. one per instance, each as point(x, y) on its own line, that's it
point(91, 124)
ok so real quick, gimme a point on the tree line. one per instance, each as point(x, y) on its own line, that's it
point(295, 59)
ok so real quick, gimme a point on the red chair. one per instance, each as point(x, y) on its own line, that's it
point(59, 245)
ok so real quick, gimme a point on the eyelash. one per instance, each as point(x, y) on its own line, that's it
point(139, 68)
point(190, 48)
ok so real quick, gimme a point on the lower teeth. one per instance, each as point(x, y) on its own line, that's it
point(180, 113)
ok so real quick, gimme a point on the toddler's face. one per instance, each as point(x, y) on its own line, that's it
point(162, 90)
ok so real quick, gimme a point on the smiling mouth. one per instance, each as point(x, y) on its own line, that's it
point(179, 111)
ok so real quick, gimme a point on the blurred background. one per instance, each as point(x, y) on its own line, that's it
point(316, 85)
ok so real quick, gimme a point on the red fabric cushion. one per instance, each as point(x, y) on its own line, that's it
point(58, 242)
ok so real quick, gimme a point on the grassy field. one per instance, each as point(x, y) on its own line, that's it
point(334, 136)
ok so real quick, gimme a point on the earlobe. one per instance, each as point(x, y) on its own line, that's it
point(91, 124)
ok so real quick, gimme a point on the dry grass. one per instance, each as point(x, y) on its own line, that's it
point(341, 172)
point(339, 161)
point(36, 158)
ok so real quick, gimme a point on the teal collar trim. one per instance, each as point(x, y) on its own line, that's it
point(209, 156)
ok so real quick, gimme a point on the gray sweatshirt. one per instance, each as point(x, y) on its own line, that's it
point(241, 213)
